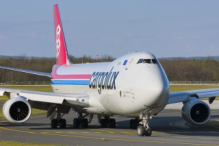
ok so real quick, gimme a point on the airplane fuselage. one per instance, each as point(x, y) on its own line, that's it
point(126, 86)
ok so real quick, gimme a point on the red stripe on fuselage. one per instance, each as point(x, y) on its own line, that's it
point(71, 76)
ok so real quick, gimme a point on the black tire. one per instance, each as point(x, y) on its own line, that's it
point(148, 132)
point(76, 123)
point(84, 123)
point(140, 130)
point(112, 123)
point(62, 123)
point(103, 123)
point(54, 123)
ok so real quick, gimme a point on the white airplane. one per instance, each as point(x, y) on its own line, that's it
point(133, 85)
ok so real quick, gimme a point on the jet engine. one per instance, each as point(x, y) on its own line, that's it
point(17, 110)
point(196, 111)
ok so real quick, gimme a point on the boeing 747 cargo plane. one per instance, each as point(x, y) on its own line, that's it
point(133, 85)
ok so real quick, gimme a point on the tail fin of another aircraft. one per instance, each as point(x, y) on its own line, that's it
point(61, 48)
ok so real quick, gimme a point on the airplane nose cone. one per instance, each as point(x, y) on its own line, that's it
point(157, 90)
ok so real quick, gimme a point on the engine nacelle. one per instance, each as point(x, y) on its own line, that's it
point(17, 110)
point(196, 112)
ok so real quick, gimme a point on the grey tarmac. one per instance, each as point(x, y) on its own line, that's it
point(168, 129)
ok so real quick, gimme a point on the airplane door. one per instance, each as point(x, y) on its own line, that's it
point(129, 63)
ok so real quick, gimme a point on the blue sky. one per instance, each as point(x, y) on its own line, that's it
point(165, 28)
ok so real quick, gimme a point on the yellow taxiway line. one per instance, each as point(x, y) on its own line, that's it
point(115, 139)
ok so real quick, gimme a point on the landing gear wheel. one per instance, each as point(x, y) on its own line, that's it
point(140, 130)
point(62, 123)
point(76, 123)
point(84, 123)
point(54, 123)
point(112, 123)
point(148, 132)
point(103, 123)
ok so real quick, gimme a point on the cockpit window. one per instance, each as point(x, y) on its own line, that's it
point(140, 61)
point(149, 61)
point(154, 61)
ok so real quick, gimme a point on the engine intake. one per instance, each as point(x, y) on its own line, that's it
point(17, 110)
point(196, 111)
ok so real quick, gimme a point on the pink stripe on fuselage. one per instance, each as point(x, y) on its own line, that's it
point(73, 76)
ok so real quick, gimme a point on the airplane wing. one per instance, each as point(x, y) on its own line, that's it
point(42, 100)
point(185, 95)
point(27, 71)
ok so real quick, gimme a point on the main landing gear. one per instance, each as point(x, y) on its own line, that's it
point(143, 128)
point(58, 121)
point(107, 122)
point(61, 123)
point(82, 121)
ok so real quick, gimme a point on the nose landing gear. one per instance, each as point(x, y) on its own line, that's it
point(143, 128)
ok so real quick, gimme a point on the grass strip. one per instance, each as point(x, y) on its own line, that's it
point(178, 88)
point(34, 88)
point(13, 143)
point(213, 123)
